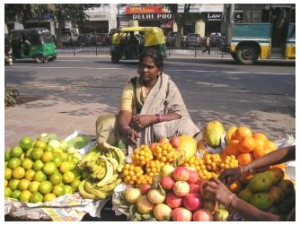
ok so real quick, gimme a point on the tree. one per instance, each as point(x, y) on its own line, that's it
point(59, 12)
point(181, 18)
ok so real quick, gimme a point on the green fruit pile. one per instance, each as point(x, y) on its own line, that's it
point(41, 170)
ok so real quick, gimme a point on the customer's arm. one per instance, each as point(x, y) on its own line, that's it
point(276, 157)
point(231, 201)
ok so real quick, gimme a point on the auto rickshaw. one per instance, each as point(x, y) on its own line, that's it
point(129, 42)
point(36, 43)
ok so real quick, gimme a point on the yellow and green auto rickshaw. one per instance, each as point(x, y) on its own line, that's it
point(36, 43)
point(129, 42)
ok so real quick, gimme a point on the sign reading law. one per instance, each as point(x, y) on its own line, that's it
point(152, 16)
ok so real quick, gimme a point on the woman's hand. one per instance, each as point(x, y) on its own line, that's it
point(228, 176)
point(131, 136)
point(139, 122)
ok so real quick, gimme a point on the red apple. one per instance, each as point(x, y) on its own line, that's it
point(181, 188)
point(180, 174)
point(194, 188)
point(181, 214)
point(163, 140)
point(192, 201)
point(145, 188)
point(161, 211)
point(167, 183)
point(175, 142)
point(202, 215)
point(193, 178)
point(173, 201)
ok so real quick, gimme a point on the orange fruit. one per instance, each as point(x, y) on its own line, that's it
point(36, 197)
point(55, 178)
point(68, 189)
point(7, 155)
point(49, 168)
point(27, 163)
point(260, 136)
point(8, 192)
point(13, 184)
point(246, 144)
point(58, 190)
point(18, 173)
point(65, 166)
point(68, 177)
point(57, 160)
point(5, 183)
point(49, 197)
point(40, 144)
point(259, 149)
point(15, 194)
point(16, 151)
point(34, 186)
point(235, 187)
point(36, 153)
point(45, 187)
point(38, 165)
point(246, 177)
point(8, 173)
point(244, 158)
point(25, 196)
point(270, 145)
point(14, 163)
point(39, 176)
point(26, 143)
point(47, 157)
point(232, 149)
point(241, 132)
point(23, 185)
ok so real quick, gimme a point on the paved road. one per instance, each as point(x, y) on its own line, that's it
point(69, 94)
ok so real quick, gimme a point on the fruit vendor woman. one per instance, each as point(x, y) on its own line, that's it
point(151, 107)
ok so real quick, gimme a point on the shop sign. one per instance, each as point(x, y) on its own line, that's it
point(214, 16)
point(193, 9)
point(238, 16)
point(147, 10)
point(152, 16)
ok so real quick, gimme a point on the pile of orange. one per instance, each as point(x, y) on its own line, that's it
point(247, 146)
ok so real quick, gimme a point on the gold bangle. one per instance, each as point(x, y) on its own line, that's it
point(228, 200)
point(250, 169)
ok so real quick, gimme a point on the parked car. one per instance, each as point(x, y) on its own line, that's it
point(69, 38)
point(84, 39)
point(193, 39)
point(171, 38)
point(100, 39)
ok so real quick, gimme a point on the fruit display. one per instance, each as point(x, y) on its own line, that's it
point(41, 170)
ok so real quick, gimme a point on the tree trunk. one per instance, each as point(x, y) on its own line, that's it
point(178, 40)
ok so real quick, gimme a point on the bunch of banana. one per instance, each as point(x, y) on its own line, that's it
point(102, 180)
point(90, 158)
point(113, 152)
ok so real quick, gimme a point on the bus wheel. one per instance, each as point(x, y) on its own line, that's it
point(39, 58)
point(247, 54)
point(115, 59)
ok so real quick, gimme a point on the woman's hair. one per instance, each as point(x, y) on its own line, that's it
point(155, 55)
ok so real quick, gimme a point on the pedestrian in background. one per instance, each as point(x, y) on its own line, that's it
point(207, 46)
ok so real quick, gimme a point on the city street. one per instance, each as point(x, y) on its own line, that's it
point(71, 92)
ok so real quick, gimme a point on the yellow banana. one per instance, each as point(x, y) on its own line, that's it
point(114, 162)
point(92, 154)
point(99, 172)
point(111, 186)
point(108, 175)
point(91, 189)
point(83, 192)
point(121, 156)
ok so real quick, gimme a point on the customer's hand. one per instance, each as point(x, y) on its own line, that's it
point(218, 189)
point(228, 176)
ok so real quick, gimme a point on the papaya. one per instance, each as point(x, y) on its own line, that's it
point(213, 132)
